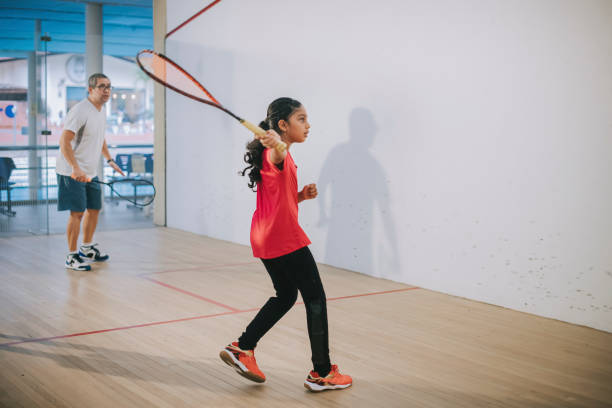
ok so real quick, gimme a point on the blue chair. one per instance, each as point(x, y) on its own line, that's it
point(149, 164)
point(7, 165)
point(138, 162)
point(124, 161)
point(142, 168)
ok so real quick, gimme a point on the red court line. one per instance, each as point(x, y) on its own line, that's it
point(198, 268)
point(373, 293)
point(38, 340)
point(191, 18)
point(191, 294)
point(122, 328)
point(368, 294)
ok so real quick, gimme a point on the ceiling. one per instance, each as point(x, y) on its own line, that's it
point(127, 26)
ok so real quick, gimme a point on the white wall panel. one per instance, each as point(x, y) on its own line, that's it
point(458, 146)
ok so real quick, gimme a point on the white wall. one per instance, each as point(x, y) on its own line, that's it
point(462, 147)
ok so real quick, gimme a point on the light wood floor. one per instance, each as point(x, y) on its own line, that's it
point(145, 330)
point(32, 219)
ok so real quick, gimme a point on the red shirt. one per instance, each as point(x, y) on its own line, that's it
point(274, 229)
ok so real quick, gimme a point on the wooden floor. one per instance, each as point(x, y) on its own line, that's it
point(145, 330)
point(32, 219)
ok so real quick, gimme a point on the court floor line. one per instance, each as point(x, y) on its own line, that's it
point(195, 295)
point(208, 268)
point(197, 268)
point(134, 326)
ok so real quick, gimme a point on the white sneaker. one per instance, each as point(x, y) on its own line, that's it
point(74, 261)
point(91, 253)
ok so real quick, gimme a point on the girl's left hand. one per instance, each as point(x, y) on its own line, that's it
point(309, 192)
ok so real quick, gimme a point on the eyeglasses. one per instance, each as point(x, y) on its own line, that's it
point(103, 87)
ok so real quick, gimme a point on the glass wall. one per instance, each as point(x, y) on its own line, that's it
point(29, 144)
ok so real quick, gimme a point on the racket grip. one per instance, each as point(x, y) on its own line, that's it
point(280, 146)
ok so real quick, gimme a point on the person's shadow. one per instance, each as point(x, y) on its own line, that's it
point(354, 204)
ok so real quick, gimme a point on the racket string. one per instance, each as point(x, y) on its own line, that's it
point(174, 75)
point(139, 192)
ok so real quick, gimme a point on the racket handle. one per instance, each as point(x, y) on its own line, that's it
point(280, 146)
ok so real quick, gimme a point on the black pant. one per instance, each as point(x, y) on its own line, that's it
point(290, 273)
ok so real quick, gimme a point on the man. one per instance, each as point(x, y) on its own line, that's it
point(81, 143)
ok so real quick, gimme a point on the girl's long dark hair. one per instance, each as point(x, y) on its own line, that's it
point(279, 109)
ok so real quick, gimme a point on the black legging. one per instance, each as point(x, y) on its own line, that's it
point(290, 273)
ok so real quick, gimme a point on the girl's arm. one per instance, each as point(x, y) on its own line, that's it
point(308, 192)
point(270, 140)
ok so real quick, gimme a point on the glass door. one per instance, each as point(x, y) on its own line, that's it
point(24, 150)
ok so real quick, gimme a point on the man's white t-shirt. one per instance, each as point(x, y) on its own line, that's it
point(89, 126)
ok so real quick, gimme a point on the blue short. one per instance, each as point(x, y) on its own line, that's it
point(77, 196)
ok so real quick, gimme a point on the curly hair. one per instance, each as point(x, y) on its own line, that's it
point(279, 109)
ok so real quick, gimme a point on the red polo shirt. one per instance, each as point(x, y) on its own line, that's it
point(274, 229)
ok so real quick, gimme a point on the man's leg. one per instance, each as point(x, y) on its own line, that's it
point(89, 225)
point(71, 196)
point(89, 250)
point(73, 229)
point(73, 261)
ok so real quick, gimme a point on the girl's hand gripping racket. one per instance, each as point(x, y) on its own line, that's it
point(168, 73)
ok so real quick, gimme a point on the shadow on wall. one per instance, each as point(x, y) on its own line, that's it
point(353, 190)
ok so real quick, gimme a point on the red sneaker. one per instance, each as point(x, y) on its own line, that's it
point(243, 362)
point(333, 381)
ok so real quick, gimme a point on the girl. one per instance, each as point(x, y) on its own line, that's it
point(282, 245)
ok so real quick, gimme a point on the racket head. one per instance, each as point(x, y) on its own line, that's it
point(139, 192)
point(171, 75)
point(168, 73)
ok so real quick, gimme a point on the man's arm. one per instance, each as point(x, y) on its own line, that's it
point(109, 159)
point(68, 153)
point(105, 152)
